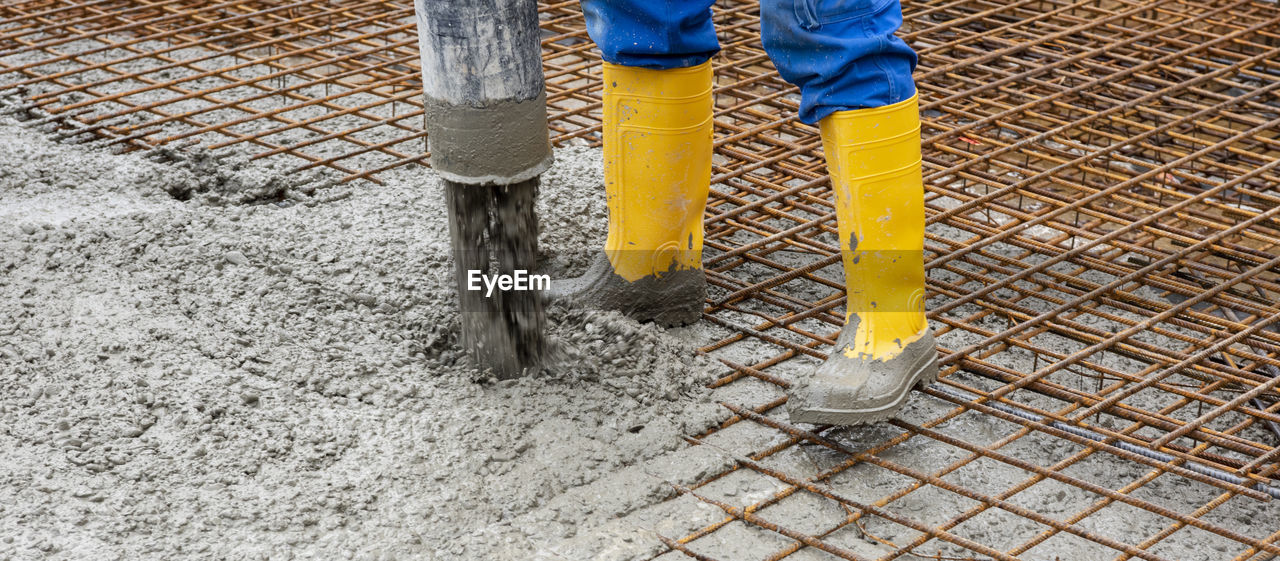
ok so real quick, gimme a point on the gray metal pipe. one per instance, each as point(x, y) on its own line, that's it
point(483, 90)
point(486, 118)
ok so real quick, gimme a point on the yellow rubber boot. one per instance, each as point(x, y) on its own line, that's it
point(657, 167)
point(885, 348)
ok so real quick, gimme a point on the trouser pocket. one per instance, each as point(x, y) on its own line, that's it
point(813, 14)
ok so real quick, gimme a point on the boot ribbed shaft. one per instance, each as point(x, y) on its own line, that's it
point(873, 156)
point(657, 165)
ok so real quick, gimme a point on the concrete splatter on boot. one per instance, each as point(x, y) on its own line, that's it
point(850, 388)
point(673, 298)
point(657, 167)
point(885, 348)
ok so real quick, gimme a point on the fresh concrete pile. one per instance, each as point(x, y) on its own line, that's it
point(257, 373)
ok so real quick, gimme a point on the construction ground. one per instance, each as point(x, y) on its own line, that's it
point(1103, 257)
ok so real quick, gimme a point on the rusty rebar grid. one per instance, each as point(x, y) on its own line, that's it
point(1103, 246)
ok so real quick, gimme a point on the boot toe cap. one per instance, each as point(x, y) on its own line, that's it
point(852, 391)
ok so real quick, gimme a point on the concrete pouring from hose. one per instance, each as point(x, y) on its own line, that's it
point(486, 120)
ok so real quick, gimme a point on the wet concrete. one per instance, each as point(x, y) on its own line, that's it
point(493, 230)
point(288, 371)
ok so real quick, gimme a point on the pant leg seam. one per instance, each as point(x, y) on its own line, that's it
point(806, 14)
point(880, 48)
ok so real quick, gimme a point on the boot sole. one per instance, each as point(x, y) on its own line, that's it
point(673, 300)
point(679, 315)
point(672, 317)
point(924, 374)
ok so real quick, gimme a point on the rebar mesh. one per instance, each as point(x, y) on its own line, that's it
point(1102, 246)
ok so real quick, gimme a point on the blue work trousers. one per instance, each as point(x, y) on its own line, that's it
point(841, 53)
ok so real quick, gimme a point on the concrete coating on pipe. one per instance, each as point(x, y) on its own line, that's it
point(502, 142)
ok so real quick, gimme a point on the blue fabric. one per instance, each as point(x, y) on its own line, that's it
point(658, 34)
point(841, 53)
